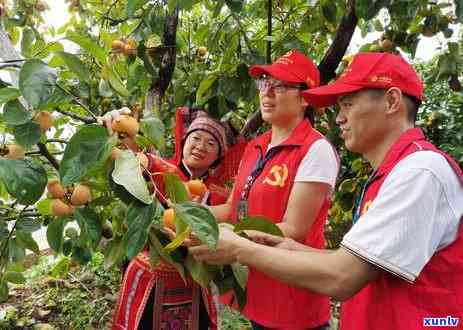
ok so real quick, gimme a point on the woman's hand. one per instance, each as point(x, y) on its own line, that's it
point(109, 117)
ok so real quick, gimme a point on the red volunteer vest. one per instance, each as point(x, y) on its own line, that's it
point(270, 302)
point(391, 303)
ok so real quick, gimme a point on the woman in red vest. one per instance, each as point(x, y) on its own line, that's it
point(287, 175)
point(158, 298)
point(401, 264)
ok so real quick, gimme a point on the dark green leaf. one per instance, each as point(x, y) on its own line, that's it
point(202, 273)
point(55, 234)
point(139, 219)
point(153, 129)
point(3, 291)
point(114, 252)
point(459, 9)
point(127, 173)
point(8, 94)
point(203, 94)
point(75, 65)
point(258, 223)
point(86, 151)
point(24, 179)
point(27, 134)
point(155, 243)
point(367, 9)
point(114, 80)
point(36, 82)
point(25, 240)
point(14, 277)
point(90, 226)
point(202, 222)
point(29, 225)
point(81, 255)
point(235, 5)
point(329, 11)
point(15, 114)
point(176, 190)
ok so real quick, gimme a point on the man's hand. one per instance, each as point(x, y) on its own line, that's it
point(110, 116)
point(227, 251)
point(276, 241)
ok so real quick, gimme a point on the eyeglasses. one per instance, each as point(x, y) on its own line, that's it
point(264, 84)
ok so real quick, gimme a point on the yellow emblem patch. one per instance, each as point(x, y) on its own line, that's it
point(366, 207)
point(277, 175)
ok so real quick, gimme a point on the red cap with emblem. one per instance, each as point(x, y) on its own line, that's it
point(369, 70)
point(293, 67)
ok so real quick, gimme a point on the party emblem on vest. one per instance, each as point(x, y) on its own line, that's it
point(277, 175)
point(366, 207)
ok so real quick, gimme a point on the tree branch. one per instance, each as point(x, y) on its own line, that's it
point(339, 45)
point(44, 151)
point(86, 120)
point(168, 56)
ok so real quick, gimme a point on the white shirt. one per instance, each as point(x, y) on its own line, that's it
point(320, 164)
point(417, 212)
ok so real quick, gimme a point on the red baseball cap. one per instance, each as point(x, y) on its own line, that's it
point(369, 70)
point(293, 67)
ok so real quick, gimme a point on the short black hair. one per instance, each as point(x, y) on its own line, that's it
point(411, 103)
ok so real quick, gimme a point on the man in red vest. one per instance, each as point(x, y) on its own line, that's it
point(401, 264)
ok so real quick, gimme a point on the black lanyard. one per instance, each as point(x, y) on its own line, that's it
point(258, 169)
point(359, 201)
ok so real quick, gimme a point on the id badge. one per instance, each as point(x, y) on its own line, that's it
point(242, 209)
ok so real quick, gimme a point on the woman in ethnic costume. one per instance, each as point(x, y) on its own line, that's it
point(159, 298)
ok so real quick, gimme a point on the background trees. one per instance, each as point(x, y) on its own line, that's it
point(154, 56)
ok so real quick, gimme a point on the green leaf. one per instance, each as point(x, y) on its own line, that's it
point(90, 226)
point(329, 11)
point(29, 225)
point(43, 206)
point(139, 219)
point(114, 252)
point(114, 80)
point(75, 65)
point(240, 272)
point(459, 10)
point(14, 277)
point(86, 151)
point(89, 45)
point(178, 240)
point(153, 128)
point(61, 268)
point(36, 82)
point(81, 255)
point(27, 40)
point(132, 6)
point(15, 113)
point(202, 95)
point(176, 190)
point(26, 241)
point(55, 234)
point(201, 273)
point(27, 134)
point(24, 179)
point(235, 5)
point(202, 222)
point(3, 291)
point(156, 244)
point(367, 9)
point(8, 94)
point(258, 223)
point(127, 173)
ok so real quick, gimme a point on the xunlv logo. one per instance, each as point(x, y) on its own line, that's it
point(440, 321)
